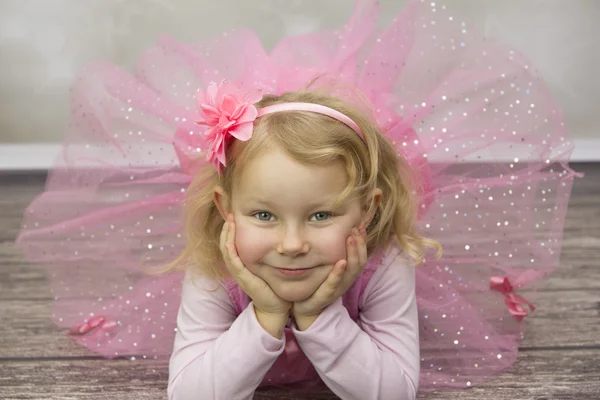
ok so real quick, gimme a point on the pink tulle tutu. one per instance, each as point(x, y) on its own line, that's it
point(473, 117)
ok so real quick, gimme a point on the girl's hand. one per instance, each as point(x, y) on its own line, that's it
point(341, 277)
point(265, 300)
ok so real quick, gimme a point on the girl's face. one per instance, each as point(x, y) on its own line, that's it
point(287, 231)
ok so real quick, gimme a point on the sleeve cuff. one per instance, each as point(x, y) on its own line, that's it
point(335, 314)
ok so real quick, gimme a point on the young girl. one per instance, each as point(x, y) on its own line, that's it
point(295, 208)
point(299, 246)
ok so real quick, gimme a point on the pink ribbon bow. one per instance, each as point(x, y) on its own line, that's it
point(97, 322)
point(513, 301)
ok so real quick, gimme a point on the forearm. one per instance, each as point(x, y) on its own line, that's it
point(232, 366)
point(344, 356)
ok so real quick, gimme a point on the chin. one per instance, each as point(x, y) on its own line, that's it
point(293, 292)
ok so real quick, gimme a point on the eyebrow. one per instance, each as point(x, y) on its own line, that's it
point(327, 203)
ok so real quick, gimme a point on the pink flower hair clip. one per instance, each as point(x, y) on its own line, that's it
point(229, 113)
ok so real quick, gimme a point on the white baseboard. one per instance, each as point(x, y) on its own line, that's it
point(24, 157)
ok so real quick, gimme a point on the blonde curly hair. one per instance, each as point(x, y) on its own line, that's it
point(312, 139)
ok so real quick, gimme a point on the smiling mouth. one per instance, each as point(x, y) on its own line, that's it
point(294, 271)
point(297, 269)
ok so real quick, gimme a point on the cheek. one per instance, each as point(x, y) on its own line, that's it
point(251, 243)
point(332, 242)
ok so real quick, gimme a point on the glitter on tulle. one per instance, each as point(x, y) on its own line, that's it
point(472, 117)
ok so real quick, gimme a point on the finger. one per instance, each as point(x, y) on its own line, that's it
point(234, 263)
point(232, 254)
point(223, 238)
point(336, 276)
point(330, 289)
point(352, 252)
point(224, 234)
point(249, 282)
point(363, 231)
point(361, 247)
point(231, 230)
point(223, 242)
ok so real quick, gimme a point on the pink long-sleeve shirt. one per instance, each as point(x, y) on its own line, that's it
point(221, 355)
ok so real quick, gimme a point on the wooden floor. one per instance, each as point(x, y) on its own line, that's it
point(559, 359)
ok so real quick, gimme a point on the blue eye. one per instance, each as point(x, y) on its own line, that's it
point(323, 215)
point(263, 215)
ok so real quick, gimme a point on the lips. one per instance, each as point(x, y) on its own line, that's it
point(294, 268)
point(294, 272)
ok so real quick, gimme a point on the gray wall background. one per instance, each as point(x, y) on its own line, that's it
point(44, 42)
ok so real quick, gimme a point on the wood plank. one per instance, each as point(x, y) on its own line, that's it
point(20, 279)
point(580, 262)
point(537, 375)
point(82, 379)
point(559, 357)
point(16, 193)
point(572, 317)
point(579, 270)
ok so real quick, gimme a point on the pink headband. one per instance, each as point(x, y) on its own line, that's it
point(230, 113)
point(316, 108)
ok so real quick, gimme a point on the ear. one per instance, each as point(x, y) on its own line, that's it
point(374, 200)
point(222, 201)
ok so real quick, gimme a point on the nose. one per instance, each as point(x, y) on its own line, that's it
point(293, 242)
